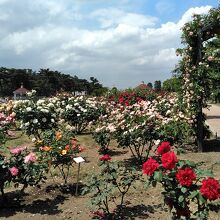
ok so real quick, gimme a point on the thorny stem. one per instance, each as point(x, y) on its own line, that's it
point(149, 149)
point(132, 152)
point(104, 202)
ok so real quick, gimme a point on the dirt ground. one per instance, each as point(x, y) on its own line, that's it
point(54, 201)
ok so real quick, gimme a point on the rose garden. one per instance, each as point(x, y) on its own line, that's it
point(142, 148)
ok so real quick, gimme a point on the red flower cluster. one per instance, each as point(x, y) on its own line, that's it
point(106, 157)
point(150, 166)
point(186, 176)
point(163, 148)
point(210, 189)
point(169, 160)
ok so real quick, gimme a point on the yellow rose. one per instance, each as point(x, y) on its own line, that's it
point(63, 152)
point(58, 135)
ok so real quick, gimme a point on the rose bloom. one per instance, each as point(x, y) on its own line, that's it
point(210, 189)
point(31, 157)
point(186, 176)
point(106, 157)
point(163, 148)
point(169, 160)
point(45, 148)
point(64, 152)
point(58, 135)
point(13, 171)
point(17, 150)
point(67, 147)
point(150, 166)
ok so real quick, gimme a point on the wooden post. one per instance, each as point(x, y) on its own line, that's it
point(78, 160)
point(77, 183)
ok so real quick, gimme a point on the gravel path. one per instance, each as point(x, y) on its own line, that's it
point(213, 119)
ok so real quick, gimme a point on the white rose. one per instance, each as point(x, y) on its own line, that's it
point(27, 124)
point(28, 109)
point(13, 114)
point(35, 121)
point(44, 119)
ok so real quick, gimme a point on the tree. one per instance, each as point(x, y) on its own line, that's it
point(150, 85)
point(157, 85)
point(172, 85)
point(46, 82)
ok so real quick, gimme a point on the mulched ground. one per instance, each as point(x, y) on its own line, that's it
point(54, 201)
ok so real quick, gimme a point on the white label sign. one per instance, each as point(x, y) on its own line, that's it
point(78, 159)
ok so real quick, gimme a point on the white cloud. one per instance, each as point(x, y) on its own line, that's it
point(113, 16)
point(188, 14)
point(126, 50)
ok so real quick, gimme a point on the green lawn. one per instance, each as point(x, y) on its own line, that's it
point(20, 139)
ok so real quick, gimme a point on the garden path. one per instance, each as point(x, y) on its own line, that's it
point(213, 119)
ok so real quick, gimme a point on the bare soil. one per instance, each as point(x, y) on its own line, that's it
point(55, 201)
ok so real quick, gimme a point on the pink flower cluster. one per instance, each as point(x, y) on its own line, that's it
point(13, 171)
point(31, 157)
point(17, 150)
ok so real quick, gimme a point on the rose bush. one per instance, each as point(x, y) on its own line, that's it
point(186, 191)
point(35, 116)
point(7, 121)
point(113, 179)
point(26, 167)
point(138, 126)
point(58, 148)
point(80, 112)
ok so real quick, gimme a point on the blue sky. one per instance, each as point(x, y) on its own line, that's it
point(120, 42)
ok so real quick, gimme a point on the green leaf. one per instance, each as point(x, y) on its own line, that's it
point(183, 189)
point(193, 194)
point(181, 199)
point(201, 199)
point(158, 176)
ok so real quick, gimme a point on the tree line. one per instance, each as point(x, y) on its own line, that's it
point(46, 82)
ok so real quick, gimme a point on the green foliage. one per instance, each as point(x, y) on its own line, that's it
point(179, 190)
point(157, 85)
point(30, 172)
point(58, 150)
point(199, 66)
point(103, 138)
point(46, 82)
point(114, 178)
point(172, 85)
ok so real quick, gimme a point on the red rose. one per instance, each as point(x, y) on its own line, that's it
point(106, 157)
point(150, 166)
point(163, 148)
point(169, 160)
point(186, 176)
point(210, 189)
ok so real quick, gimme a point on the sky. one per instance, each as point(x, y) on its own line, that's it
point(120, 42)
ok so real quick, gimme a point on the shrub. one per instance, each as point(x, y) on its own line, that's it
point(113, 178)
point(184, 184)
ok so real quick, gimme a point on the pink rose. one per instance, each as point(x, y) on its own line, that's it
point(13, 171)
point(31, 157)
point(17, 150)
